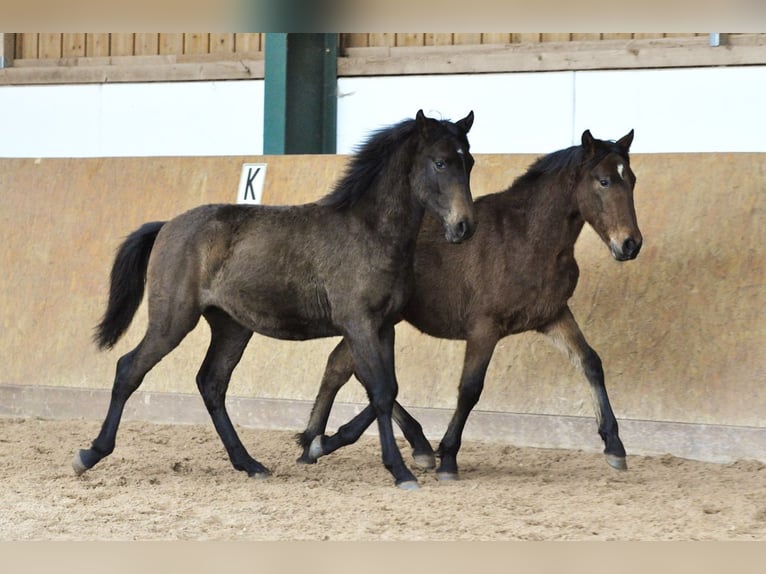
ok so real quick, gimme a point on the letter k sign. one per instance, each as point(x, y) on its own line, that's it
point(251, 183)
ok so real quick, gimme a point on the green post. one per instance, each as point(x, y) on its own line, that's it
point(300, 97)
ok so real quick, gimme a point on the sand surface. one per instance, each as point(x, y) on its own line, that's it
point(173, 482)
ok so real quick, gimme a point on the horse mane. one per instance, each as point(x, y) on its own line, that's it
point(569, 160)
point(372, 156)
point(368, 161)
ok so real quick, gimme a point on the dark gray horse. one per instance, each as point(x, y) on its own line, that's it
point(340, 266)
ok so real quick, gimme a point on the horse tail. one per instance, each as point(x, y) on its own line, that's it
point(127, 280)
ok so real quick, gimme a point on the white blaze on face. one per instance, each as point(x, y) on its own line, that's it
point(460, 151)
point(620, 169)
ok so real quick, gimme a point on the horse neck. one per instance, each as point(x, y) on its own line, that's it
point(391, 208)
point(552, 209)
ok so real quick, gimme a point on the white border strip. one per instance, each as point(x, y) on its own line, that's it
point(709, 443)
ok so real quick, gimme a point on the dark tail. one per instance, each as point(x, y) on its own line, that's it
point(127, 282)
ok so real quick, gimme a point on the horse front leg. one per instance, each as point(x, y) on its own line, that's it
point(373, 354)
point(566, 334)
point(478, 353)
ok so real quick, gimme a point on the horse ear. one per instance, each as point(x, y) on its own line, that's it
point(625, 141)
point(421, 121)
point(466, 123)
point(588, 142)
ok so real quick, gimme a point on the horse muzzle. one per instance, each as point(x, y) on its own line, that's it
point(625, 250)
point(460, 231)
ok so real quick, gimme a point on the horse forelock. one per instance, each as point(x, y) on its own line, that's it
point(572, 159)
point(605, 148)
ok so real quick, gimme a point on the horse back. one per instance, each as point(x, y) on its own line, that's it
point(279, 270)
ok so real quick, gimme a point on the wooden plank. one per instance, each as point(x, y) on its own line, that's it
point(27, 45)
point(525, 38)
point(616, 36)
point(242, 69)
point(121, 44)
point(72, 45)
point(556, 37)
point(582, 37)
point(97, 45)
point(171, 44)
point(248, 42)
point(655, 53)
point(410, 40)
point(354, 40)
point(466, 39)
point(196, 43)
point(221, 43)
point(438, 39)
point(496, 38)
point(49, 46)
point(384, 39)
point(647, 36)
point(146, 44)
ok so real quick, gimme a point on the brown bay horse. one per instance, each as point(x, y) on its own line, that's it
point(516, 274)
point(341, 266)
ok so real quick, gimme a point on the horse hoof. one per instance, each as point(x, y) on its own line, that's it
point(77, 464)
point(446, 476)
point(424, 461)
point(259, 474)
point(305, 459)
point(408, 485)
point(315, 448)
point(616, 462)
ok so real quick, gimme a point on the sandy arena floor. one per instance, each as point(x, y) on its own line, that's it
point(168, 482)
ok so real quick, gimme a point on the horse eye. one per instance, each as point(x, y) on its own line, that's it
point(439, 164)
point(604, 182)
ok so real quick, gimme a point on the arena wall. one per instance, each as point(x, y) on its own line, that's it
point(680, 330)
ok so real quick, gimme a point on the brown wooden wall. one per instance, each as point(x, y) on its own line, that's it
point(48, 58)
point(84, 45)
point(463, 39)
point(30, 45)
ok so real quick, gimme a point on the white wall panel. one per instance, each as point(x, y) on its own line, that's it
point(672, 110)
point(676, 110)
point(151, 119)
point(515, 113)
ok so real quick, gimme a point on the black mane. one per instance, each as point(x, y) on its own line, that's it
point(368, 161)
point(371, 157)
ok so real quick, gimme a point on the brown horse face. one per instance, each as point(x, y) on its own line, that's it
point(441, 178)
point(605, 196)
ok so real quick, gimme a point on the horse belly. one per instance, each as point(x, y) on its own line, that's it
point(277, 309)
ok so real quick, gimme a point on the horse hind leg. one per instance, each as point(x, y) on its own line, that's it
point(228, 341)
point(566, 334)
point(338, 370)
point(130, 372)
